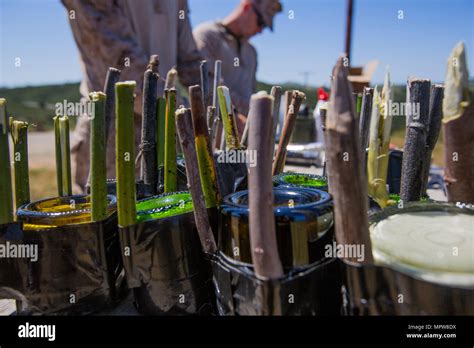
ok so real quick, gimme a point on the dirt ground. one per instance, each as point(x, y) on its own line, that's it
point(42, 165)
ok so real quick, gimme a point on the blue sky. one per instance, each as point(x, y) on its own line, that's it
point(417, 45)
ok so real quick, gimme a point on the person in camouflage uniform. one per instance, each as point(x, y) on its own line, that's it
point(124, 34)
point(228, 40)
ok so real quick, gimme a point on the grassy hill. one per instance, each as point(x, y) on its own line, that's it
point(37, 104)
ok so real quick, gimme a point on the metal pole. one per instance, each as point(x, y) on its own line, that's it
point(350, 4)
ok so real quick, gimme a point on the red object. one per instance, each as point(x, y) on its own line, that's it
point(322, 94)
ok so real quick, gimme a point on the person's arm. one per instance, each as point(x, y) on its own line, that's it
point(208, 43)
point(105, 39)
point(240, 102)
point(189, 57)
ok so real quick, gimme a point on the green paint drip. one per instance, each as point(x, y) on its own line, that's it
point(394, 199)
point(164, 206)
point(304, 180)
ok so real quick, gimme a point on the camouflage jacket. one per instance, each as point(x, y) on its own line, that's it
point(124, 34)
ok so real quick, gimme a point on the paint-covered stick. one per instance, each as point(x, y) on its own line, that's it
point(348, 183)
point(19, 133)
point(207, 166)
point(228, 118)
point(263, 240)
point(6, 194)
point(125, 153)
point(292, 113)
point(184, 126)
point(458, 129)
point(149, 174)
point(170, 180)
point(98, 168)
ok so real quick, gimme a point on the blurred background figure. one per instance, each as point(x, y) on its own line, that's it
point(323, 98)
point(124, 34)
point(228, 40)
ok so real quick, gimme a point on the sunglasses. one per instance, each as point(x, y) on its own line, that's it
point(260, 21)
